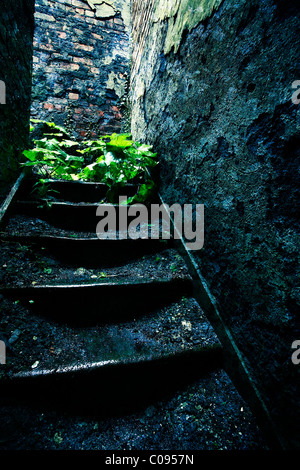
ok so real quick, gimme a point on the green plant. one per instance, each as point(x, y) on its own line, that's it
point(117, 161)
point(47, 270)
point(114, 160)
point(173, 268)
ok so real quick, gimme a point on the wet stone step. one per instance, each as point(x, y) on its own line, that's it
point(91, 252)
point(89, 304)
point(207, 414)
point(23, 226)
point(79, 248)
point(72, 191)
point(86, 217)
point(37, 346)
point(30, 265)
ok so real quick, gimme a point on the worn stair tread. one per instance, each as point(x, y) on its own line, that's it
point(48, 206)
point(25, 265)
point(42, 204)
point(73, 191)
point(79, 248)
point(25, 226)
point(51, 209)
point(207, 414)
point(71, 216)
point(90, 304)
point(40, 346)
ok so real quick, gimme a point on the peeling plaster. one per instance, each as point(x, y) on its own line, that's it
point(109, 8)
point(103, 9)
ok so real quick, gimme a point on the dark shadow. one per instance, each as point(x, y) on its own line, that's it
point(114, 390)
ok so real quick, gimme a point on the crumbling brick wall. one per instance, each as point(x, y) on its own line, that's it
point(81, 64)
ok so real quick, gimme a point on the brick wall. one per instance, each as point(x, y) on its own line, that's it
point(81, 64)
point(16, 32)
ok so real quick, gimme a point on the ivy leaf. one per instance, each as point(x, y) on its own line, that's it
point(114, 160)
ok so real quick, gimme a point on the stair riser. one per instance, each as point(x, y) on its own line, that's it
point(93, 252)
point(77, 217)
point(74, 191)
point(109, 388)
point(97, 304)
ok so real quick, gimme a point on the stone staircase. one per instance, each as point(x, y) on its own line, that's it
point(108, 327)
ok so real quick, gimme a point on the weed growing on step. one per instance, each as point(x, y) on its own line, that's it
point(114, 160)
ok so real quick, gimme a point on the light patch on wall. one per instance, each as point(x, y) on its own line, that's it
point(140, 88)
point(117, 51)
point(2, 92)
point(109, 8)
point(103, 9)
point(115, 83)
point(182, 15)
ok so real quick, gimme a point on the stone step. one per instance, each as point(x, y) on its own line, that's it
point(157, 413)
point(27, 265)
point(173, 340)
point(25, 225)
point(85, 304)
point(73, 191)
point(86, 216)
point(89, 251)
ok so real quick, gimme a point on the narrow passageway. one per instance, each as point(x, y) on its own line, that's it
point(115, 332)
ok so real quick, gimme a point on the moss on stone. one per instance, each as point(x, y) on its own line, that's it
point(182, 15)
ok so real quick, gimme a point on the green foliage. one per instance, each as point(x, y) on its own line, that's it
point(114, 160)
point(173, 268)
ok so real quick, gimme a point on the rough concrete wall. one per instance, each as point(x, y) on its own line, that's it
point(16, 32)
point(81, 64)
point(215, 99)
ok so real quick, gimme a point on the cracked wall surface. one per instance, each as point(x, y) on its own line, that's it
point(215, 99)
point(81, 64)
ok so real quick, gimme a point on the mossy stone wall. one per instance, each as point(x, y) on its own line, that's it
point(213, 93)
